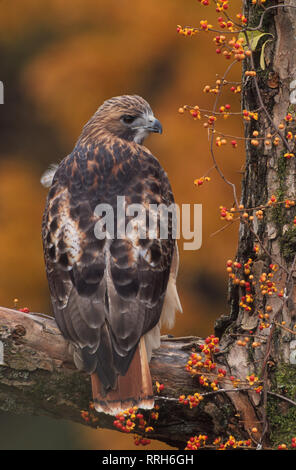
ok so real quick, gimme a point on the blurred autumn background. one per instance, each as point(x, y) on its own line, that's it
point(59, 61)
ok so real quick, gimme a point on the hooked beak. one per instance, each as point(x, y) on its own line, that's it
point(155, 126)
point(148, 124)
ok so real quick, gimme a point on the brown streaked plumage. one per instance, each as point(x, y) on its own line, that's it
point(110, 296)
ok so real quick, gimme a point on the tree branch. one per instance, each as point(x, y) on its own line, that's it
point(38, 377)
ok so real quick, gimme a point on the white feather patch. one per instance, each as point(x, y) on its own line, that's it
point(68, 229)
point(47, 177)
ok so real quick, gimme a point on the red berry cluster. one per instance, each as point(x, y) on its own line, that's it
point(23, 309)
point(286, 447)
point(132, 420)
point(196, 442)
point(128, 420)
point(191, 400)
point(159, 387)
point(231, 443)
point(200, 181)
point(140, 440)
point(209, 374)
point(89, 416)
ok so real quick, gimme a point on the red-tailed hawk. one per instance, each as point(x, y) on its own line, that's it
point(111, 295)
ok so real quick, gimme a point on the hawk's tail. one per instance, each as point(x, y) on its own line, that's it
point(133, 389)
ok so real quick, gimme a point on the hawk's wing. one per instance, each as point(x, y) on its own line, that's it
point(106, 294)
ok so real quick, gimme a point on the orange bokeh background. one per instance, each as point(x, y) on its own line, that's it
point(60, 61)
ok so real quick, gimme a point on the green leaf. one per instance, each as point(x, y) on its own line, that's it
point(255, 37)
point(262, 59)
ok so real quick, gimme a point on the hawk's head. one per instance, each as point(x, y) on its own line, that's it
point(129, 117)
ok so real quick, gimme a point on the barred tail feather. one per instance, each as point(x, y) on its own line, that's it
point(133, 389)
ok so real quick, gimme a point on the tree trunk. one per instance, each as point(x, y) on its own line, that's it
point(267, 173)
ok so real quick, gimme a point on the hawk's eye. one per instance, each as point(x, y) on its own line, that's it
point(127, 119)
